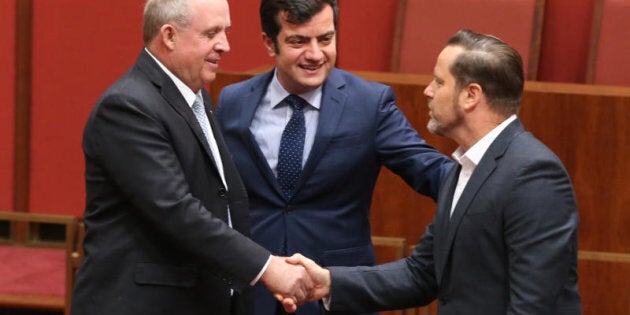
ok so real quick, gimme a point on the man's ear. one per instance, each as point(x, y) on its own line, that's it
point(168, 35)
point(471, 96)
point(269, 45)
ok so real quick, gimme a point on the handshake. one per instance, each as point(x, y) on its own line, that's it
point(296, 280)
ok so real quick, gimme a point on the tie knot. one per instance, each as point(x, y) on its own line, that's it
point(295, 101)
point(196, 104)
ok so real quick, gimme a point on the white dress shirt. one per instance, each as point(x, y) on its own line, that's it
point(470, 159)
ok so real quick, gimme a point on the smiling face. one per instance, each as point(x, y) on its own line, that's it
point(306, 53)
point(197, 49)
point(443, 96)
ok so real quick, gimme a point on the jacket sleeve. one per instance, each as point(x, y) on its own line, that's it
point(541, 237)
point(405, 152)
point(408, 282)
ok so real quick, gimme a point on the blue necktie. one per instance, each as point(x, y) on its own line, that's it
point(292, 147)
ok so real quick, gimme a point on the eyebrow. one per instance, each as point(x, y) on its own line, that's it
point(297, 36)
point(329, 33)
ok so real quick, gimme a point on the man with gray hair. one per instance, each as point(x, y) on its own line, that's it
point(166, 214)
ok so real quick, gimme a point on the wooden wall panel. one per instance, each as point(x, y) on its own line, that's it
point(588, 127)
point(397, 210)
point(7, 102)
point(604, 286)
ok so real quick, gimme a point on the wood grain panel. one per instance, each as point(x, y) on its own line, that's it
point(590, 133)
point(604, 286)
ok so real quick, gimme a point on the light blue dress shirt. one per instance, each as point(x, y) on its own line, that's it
point(272, 116)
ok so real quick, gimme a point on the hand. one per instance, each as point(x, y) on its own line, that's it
point(319, 276)
point(291, 281)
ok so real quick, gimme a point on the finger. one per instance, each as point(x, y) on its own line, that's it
point(302, 260)
point(282, 298)
point(295, 259)
point(279, 297)
point(308, 282)
point(299, 295)
point(289, 305)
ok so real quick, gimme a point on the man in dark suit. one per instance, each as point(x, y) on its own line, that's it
point(504, 239)
point(351, 128)
point(167, 214)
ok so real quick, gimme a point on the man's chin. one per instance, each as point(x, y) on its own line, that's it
point(313, 82)
point(434, 128)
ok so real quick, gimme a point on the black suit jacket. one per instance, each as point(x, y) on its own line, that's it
point(157, 239)
point(510, 246)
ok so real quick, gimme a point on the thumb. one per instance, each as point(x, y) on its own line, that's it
point(296, 259)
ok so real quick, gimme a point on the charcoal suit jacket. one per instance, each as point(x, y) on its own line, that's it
point(510, 246)
point(158, 241)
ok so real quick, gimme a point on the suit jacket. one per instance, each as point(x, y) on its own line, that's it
point(510, 246)
point(157, 240)
point(360, 129)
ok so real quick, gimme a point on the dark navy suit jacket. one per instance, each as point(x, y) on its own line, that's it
point(360, 129)
point(510, 246)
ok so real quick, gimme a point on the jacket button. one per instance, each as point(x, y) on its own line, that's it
point(221, 192)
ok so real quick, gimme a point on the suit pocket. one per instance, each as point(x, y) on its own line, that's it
point(345, 142)
point(353, 256)
point(166, 275)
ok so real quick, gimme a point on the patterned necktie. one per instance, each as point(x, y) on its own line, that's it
point(200, 113)
point(292, 147)
point(202, 118)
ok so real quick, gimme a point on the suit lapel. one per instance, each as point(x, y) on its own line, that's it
point(248, 110)
point(174, 97)
point(332, 105)
point(479, 176)
point(444, 201)
point(333, 102)
point(218, 138)
point(236, 189)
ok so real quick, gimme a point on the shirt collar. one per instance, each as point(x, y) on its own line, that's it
point(186, 92)
point(277, 93)
point(476, 152)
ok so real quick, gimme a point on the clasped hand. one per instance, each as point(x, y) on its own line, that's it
point(296, 280)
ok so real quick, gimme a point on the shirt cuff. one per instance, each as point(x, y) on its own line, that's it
point(264, 268)
point(326, 302)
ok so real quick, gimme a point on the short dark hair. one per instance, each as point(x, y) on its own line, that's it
point(491, 63)
point(298, 12)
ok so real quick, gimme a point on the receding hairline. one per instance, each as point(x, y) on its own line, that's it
point(160, 12)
